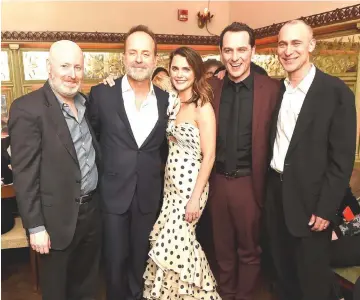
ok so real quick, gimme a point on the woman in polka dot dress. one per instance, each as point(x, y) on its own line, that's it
point(177, 267)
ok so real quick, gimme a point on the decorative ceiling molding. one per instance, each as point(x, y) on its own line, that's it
point(336, 16)
point(101, 37)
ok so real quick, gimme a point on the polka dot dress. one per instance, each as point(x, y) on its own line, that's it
point(177, 267)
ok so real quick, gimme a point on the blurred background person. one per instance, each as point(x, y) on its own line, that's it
point(211, 65)
point(345, 241)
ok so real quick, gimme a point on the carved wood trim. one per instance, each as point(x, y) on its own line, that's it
point(106, 46)
point(101, 37)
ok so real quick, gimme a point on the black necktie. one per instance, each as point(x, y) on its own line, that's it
point(232, 131)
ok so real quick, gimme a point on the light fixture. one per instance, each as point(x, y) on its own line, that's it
point(204, 17)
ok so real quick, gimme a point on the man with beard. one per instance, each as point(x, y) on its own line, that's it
point(313, 139)
point(130, 121)
point(54, 161)
point(243, 102)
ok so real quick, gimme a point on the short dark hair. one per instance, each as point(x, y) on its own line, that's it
point(142, 28)
point(158, 70)
point(212, 62)
point(238, 27)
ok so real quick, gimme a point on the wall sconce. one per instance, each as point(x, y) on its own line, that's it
point(204, 17)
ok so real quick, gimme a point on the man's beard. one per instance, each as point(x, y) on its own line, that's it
point(139, 74)
point(63, 90)
point(67, 91)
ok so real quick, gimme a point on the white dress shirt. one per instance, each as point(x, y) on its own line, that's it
point(141, 121)
point(292, 102)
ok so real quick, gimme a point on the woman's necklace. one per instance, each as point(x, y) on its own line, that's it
point(187, 101)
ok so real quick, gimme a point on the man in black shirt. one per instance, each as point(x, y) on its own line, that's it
point(244, 102)
point(232, 115)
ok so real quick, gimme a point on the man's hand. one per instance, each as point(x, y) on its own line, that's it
point(221, 74)
point(109, 80)
point(40, 242)
point(318, 224)
point(334, 236)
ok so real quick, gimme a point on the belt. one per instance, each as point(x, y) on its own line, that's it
point(85, 198)
point(240, 172)
point(277, 174)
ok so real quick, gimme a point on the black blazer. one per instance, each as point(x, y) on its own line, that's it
point(320, 158)
point(127, 168)
point(6, 173)
point(46, 171)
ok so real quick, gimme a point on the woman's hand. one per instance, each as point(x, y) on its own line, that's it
point(192, 211)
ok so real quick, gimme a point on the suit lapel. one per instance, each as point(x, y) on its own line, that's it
point(162, 107)
point(95, 144)
point(58, 120)
point(121, 109)
point(306, 113)
point(93, 135)
point(258, 106)
point(275, 117)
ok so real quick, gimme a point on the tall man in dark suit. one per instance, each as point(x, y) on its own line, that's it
point(313, 149)
point(244, 102)
point(54, 161)
point(130, 120)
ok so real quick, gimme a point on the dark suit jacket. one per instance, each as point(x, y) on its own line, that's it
point(256, 68)
point(6, 173)
point(46, 171)
point(126, 167)
point(320, 158)
point(266, 95)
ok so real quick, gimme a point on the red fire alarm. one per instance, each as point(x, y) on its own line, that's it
point(183, 15)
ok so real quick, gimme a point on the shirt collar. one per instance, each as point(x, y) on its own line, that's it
point(305, 83)
point(78, 98)
point(248, 82)
point(126, 87)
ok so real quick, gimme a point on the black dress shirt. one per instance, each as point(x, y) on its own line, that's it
point(235, 124)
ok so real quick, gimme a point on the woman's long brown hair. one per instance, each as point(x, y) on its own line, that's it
point(202, 92)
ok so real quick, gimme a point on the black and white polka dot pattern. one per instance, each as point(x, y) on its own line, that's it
point(177, 267)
